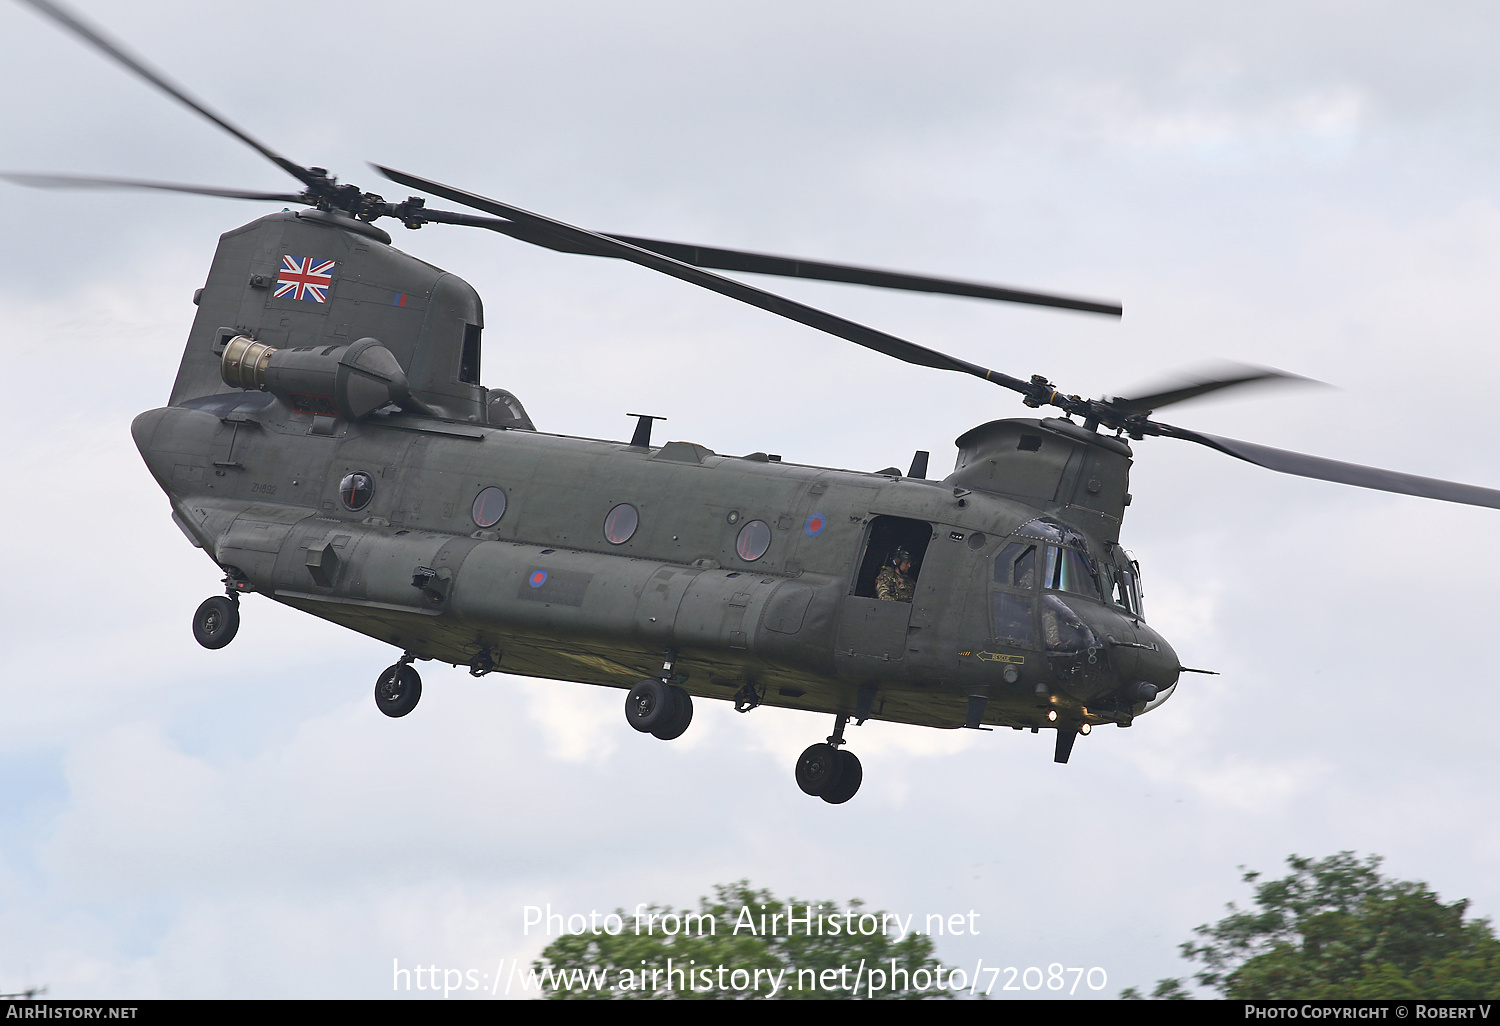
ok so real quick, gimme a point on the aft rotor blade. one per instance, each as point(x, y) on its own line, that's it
point(859, 334)
point(1322, 469)
point(1194, 388)
point(818, 270)
point(794, 267)
point(85, 182)
point(95, 38)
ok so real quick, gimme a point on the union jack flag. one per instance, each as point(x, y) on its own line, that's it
point(304, 278)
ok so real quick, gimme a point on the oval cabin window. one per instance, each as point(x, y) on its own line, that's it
point(754, 540)
point(620, 524)
point(489, 506)
point(356, 490)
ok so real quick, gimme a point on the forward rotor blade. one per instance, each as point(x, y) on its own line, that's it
point(1193, 388)
point(859, 334)
point(1321, 469)
point(89, 34)
point(84, 182)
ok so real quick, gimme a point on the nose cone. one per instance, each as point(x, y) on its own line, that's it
point(1158, 665)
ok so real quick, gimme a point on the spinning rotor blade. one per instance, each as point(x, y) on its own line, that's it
point(1321, 469)
point(84, 182)
point(1193, 388)
point(323, 192)
point(795, 267)
point(859, 334)
point(83, 30)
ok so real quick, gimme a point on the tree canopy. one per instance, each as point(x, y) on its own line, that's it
point(1335, 928)
point(745, 943)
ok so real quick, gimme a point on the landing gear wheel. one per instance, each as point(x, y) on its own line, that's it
point(216, 622)
point(398, 690)
point(851, 775)
point(651, 706)
point(682, 715)
point(819, 769)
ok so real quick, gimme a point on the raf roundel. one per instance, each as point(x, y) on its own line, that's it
point(815, 525)
point(537, 579)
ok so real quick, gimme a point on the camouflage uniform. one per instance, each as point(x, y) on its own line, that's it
point(891, 585)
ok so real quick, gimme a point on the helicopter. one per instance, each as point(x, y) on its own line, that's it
point(329, 445)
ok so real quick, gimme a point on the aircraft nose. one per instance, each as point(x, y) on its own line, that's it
point(1158, 664)
point(1153, 677)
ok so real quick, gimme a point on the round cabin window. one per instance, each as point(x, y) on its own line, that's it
point(356, 490)
point(489, 506)
point(754, 540)
point(620, 524)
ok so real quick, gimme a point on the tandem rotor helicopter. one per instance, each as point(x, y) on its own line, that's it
point(329, 445)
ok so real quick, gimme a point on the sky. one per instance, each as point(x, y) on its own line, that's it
point(1306, 186)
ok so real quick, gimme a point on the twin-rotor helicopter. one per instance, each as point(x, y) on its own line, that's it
point(329, 445)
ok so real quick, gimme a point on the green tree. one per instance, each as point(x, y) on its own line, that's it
point(1334, 928)
point(740, 945)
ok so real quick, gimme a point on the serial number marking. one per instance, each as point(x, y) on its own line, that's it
point(265, 489)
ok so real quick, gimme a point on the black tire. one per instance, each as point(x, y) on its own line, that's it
point(851, 775)
point(818, 769)
point(398, 690)
point(216, 622)
point(682, 703)
point(649, 706)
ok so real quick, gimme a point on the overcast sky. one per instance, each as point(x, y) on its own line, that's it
point(1309, 186)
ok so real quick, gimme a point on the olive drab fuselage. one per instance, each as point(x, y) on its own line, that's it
point(1004, 628)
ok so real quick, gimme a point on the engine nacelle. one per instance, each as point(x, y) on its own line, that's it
point(348, 382)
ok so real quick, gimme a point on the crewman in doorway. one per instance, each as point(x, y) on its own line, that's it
point(895, 583)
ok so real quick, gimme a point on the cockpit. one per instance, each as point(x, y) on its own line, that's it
point(1056, 556)
point(1055, 591)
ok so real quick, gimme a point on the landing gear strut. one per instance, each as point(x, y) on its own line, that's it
point(398, 688)
point(659, 707)
point(828, 772)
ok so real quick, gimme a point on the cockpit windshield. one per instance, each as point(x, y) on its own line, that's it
point(1069, 570)
point(1061, 569)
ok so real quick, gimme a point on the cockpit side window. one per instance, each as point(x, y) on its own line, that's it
point(1016, 565)
point(1123, 587)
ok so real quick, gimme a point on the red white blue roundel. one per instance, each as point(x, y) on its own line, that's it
point(537, 579)
point(304, 278)
point(815, 525)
